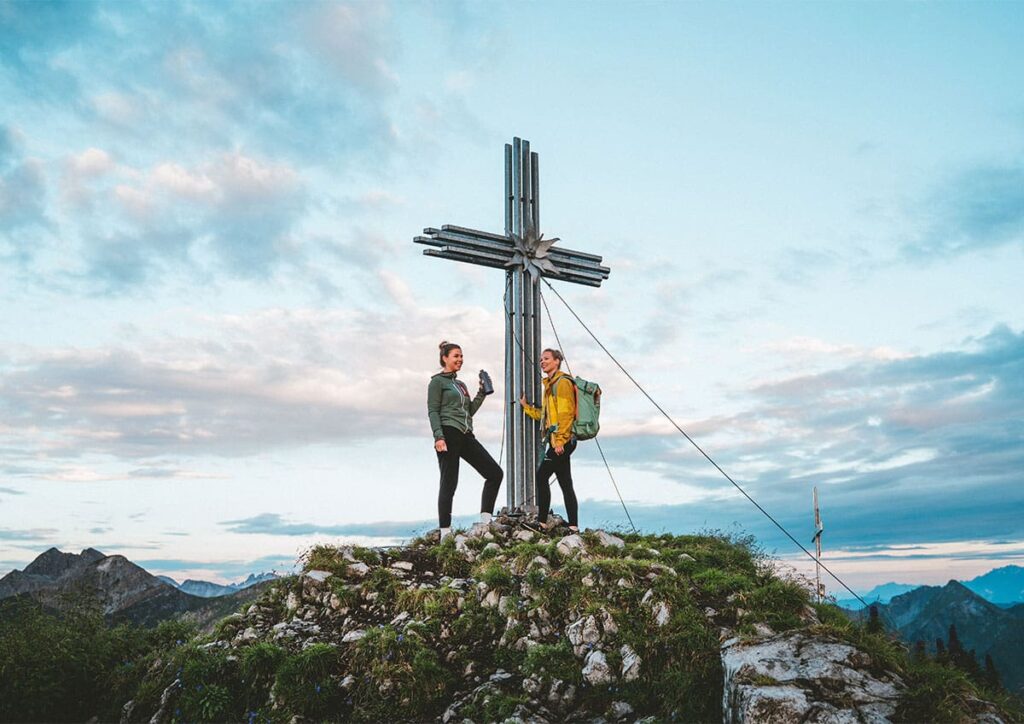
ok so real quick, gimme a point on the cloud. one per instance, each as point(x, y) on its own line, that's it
point(31, 534)
point(234, 213)
point(241, 385)
point(11, 491)
point(274, 524)
point(915, 449)
point(22, 186)
point(979, 208)
point(356, 40)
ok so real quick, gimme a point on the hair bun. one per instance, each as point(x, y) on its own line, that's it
point(443, 344)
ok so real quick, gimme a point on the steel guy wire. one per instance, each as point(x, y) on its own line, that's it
point(698, 447)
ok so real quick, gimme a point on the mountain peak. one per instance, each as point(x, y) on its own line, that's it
point(52, 563)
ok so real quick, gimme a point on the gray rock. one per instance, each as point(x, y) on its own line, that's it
point(630, 663)
point(353, 636)
point(620, 710)
point(609, 540)
point(571, 545)
point(662, 613)
point(608, 625)
point(317, 576)
point(523, 535)
point(402, 565)
point(480, 530)
point(591, 634)
point(163, 714)
point(292, 602)
point(795, 662)
point(596, 671)
point(358, 569)
point(763, 630)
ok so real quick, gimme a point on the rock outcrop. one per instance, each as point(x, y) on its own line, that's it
point(797, 677)
point(507, 623)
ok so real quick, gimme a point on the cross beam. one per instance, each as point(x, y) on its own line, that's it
point(526, 257)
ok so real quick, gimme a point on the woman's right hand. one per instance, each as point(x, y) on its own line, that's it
point(522, 400)
point(440, 445)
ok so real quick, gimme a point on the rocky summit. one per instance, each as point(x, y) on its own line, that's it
point(508, 622)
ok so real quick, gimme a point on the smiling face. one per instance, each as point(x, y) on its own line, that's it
point(548, 363)
point(453, 361)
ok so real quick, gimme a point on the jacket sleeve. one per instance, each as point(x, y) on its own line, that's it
point(434, 408)
point(477, 401)
point(534, 412)
point(565, 411)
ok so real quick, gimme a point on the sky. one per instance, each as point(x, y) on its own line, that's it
point(216, 332)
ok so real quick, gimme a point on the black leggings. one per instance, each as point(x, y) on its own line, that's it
point(465, 446)
point(559, 465)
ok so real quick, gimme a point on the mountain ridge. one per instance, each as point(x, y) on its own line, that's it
point(926, 613)
point(124, 591)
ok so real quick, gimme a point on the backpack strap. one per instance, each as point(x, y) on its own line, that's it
point(575, 394)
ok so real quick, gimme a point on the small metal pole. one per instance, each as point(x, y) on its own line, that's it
point(818, 530)
point(520, 362)
point(510, 387)
point(529, 343)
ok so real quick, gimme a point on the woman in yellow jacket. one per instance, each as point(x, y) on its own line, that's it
point(556, 418)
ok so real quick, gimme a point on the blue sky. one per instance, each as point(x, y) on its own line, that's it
point(216, 332)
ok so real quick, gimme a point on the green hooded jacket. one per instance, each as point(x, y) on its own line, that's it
point(448, 403)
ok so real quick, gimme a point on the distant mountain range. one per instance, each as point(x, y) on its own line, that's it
point(205, 589)
point(1001, 586)
point(125, 591)
point(926, 613)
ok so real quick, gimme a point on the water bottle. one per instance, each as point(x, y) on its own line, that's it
point(485, 381)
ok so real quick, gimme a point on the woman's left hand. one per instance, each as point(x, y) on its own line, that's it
point(559, 449)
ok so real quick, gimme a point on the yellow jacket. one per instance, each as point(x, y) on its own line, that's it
point(559, 408)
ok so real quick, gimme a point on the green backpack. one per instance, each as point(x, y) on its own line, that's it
point(588, 408)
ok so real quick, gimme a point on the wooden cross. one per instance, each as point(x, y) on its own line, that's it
point(526, 257)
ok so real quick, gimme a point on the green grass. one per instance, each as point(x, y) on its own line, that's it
point(428, 602)
point(399, 672)
point(448, 561)
point(553, 661)
point(493, 707)
point(307, 682)
point(495, 575)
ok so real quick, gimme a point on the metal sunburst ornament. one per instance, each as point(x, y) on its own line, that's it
point(531, 252)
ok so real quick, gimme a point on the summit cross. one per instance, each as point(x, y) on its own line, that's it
point(526, 257)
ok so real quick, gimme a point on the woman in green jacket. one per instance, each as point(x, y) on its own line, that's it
point(450, 411)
